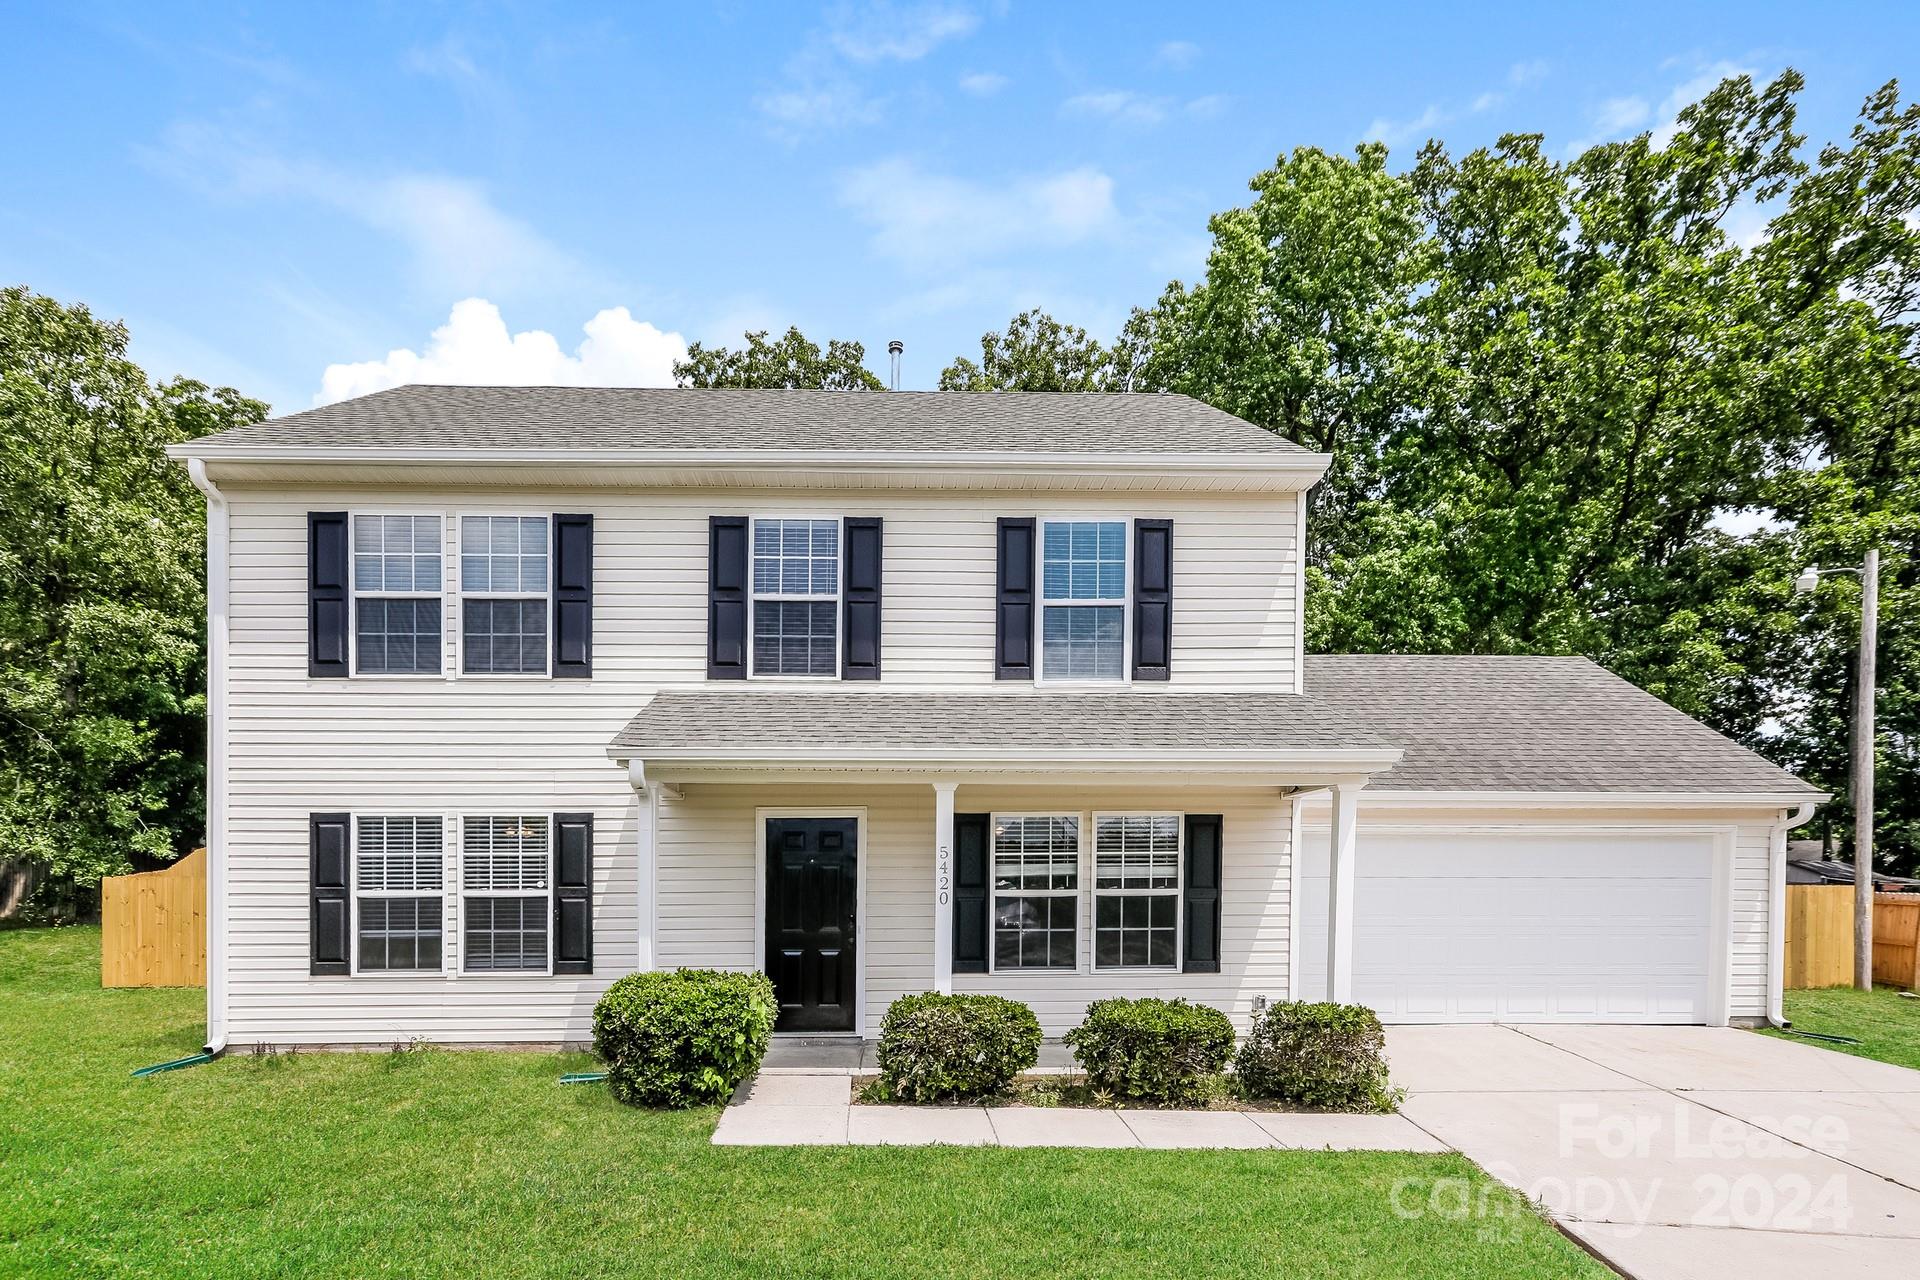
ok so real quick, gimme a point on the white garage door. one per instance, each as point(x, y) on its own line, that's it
point(1465, 927)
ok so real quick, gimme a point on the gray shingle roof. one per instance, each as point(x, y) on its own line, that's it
point(771, 720)
point(1484, 723)
point(431, 417)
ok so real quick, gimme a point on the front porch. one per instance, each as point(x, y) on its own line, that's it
point(863, 846)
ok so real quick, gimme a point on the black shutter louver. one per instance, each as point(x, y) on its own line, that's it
point(329, 844)
point(1013, 610)
point(970, 871)
point(573, 893)
point(572, 597)
point(727, 597)
point(327, 605)
point(861, 623)
point(1152, 599)
point(1200, 899)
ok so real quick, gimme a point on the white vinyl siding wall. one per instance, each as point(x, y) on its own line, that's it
point(453, 744)
point(707, 855)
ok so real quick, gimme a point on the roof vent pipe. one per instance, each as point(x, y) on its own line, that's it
point(894, 348)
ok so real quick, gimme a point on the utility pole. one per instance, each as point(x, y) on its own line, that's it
point(1862, 788)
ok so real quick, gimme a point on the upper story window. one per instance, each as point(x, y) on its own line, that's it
point(396, 594)
point(1083, 599)
point(504, 595)
point(796, 597)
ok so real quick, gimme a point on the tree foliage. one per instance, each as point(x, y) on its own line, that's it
point(789, 362)
point(102, 617)
point(1547, 384)
point(1038, 353)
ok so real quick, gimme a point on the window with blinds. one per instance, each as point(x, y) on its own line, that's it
point(506, 867)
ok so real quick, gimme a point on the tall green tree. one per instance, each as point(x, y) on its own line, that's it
point(789, 362)
point(102, 617)
point(1038, 353)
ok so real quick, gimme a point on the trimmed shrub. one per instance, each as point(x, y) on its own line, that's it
point(936, 1048)
point(1165, 1051)
point(683, 1038)
point(1318, 1055)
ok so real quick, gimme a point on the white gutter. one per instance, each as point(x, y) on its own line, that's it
point(1349, 759)
point(725, 459)
point(1777, 912)
point(216, 792)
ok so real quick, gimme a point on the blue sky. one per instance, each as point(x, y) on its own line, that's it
point(312, 201)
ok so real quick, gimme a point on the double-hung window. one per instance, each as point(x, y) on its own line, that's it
point(1036, 891)
point(398, 893)
point(796, 597)
point(1083, 599)
point(504, 600)
point(1136, 890)
point(396, 594)
point(506, 894)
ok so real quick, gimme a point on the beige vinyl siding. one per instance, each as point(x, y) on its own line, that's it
point(708, 854)
point(479, 745)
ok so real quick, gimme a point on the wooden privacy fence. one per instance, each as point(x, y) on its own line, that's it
point(1820, 937)
point(153, 926)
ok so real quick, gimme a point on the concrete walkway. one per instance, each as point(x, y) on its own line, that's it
point(792, 1106)
point(1679, 1152)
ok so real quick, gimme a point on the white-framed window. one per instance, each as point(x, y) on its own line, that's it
point(506, 893)
point(396, 594)
point(796, 596)
point(1036, 891)
point(398, 893)
point(1136, 890)
point(505, 595)
point(1084, 587)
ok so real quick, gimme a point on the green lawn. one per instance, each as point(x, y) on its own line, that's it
point(430, 1163)
point(1886, 1023)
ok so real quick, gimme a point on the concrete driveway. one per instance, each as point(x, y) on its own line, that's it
point(1679, 1151)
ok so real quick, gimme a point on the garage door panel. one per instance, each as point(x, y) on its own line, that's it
point(1520, 927)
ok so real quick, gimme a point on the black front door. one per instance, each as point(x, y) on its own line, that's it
point(812, 879)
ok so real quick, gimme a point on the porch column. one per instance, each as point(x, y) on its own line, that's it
point(943, 887)
point(1340, 844)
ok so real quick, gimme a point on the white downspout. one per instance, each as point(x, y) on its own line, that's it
point(216, 755)
point(1777, 912)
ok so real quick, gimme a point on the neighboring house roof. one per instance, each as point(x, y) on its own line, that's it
point(1519, 723)
point(854, 722)
point(420, 418)
point(1833, 871)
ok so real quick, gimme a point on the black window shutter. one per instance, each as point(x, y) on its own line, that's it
point(572, 597)
point(573, 893)
point(861, 629)
point(327, 562)
point(970, 858)
point(1013, 614)
point(328, 854)
point(726, 597)
point(1152, 599)
point(1201, 896)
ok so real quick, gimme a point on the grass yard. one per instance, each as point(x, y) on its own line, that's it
point(1886, 1023)
point(428, 1163)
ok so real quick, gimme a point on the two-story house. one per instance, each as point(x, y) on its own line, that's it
point(517, 690)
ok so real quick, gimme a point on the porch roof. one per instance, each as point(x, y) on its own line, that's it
point(1001, 728)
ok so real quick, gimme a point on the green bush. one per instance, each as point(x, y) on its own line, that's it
point(1318, 1055)
point(682, 1038)
point(1165, 1051)
point(936, 1048)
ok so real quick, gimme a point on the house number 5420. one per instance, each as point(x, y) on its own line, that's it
point(943, 874)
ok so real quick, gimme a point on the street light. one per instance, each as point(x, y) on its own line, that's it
point(1862, 757)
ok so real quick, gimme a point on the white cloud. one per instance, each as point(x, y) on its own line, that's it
point(474, 348)
point(1690, 91)
point(456, 238)
point(819, 91)
point(1121, 105)
point(882, 33)
point(932, 221)
point(1521, 75)
point(1629, 114)
point(1207, 106)
point(1178, 54)
point(983, 84)
point(1395, 132)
